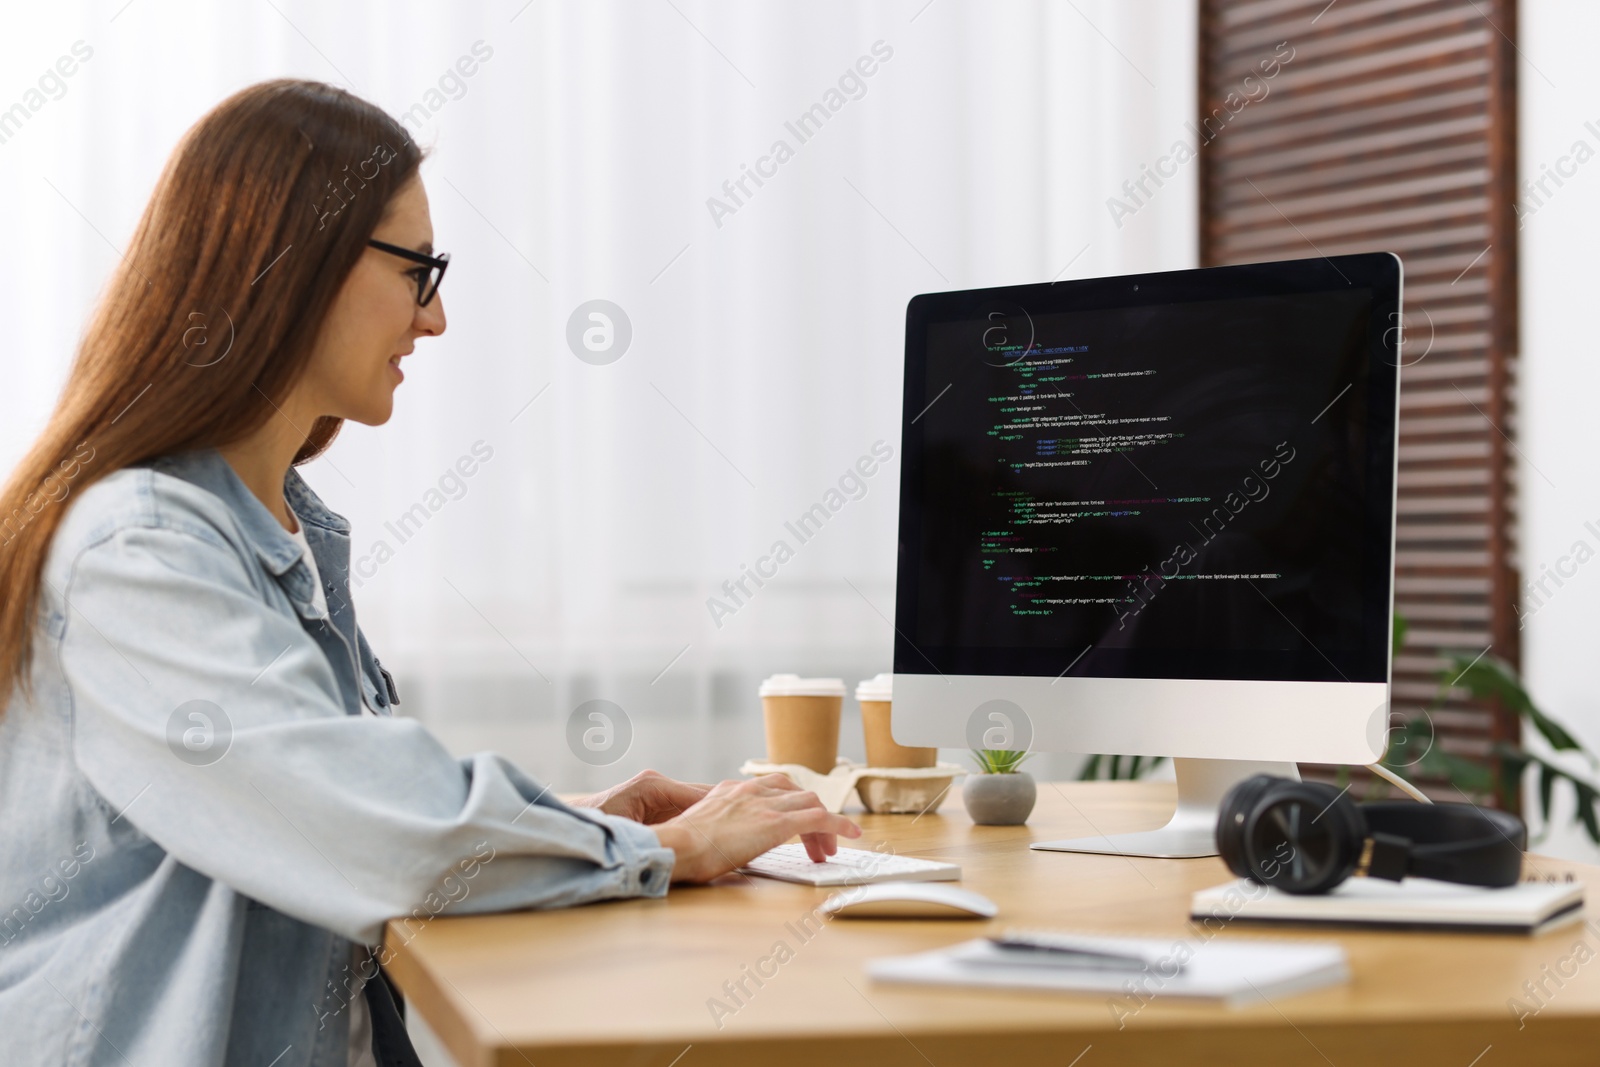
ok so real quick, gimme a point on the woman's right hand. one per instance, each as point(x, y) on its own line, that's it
point(739, 820)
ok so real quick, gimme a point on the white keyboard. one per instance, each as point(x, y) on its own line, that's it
point(849, 866)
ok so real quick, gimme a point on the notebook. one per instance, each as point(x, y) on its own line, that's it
point(1235, 971)
point(1414, 904)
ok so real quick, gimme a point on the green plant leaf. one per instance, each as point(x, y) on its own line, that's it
point(1118, 768)
point(1486, 677)
point(1413, 735)
point(1467, 775)
point(999, 760)
point(1554, 733)
point(1513, 761)
point(1547, 781)
point(1586, 802)
point(1586, 796)
point(1399, 637)
point(1489, 677)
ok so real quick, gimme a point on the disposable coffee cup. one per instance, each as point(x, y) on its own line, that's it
point(802, 717)
point(876, 698)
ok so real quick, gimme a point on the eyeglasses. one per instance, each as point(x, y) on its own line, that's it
point(427, 279)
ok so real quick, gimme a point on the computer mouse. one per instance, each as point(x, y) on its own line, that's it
point(909, 900)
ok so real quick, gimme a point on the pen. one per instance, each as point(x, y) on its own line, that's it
point(1027, 950)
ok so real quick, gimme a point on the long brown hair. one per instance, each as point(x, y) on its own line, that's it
point(207, 323)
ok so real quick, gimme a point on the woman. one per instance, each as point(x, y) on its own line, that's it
point(209, 809)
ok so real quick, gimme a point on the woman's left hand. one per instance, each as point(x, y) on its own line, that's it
point(648, 797)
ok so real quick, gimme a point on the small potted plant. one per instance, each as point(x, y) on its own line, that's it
point(999, 795)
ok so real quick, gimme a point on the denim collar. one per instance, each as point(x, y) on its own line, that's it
point(276, 548)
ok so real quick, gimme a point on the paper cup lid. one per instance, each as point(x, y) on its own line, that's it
point(792, 685)
point(878, 687)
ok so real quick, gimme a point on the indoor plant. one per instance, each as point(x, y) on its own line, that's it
point(1486, 677)
point(999, 795)
point(1491, 678)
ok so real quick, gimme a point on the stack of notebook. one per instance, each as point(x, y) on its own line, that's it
point(1235, 971)
point(1415, 904)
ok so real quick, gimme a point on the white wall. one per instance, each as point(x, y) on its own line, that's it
point(576, 164)
point(1560, 382)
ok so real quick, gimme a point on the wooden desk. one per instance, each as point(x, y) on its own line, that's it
point(628, 982)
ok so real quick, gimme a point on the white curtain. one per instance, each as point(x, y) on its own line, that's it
point(1559, 208)
point(575, 163)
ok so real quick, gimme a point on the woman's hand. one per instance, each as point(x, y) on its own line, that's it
point(737, 821)
point(647, 797)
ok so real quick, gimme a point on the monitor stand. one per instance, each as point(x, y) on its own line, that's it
point(1202, 783)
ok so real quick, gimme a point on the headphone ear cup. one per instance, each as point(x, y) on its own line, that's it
point(1235, 810)
point(1303, 838)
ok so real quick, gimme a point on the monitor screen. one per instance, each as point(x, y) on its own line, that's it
point(1179, 475)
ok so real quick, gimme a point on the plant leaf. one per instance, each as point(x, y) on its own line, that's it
point(1489, 677)
point(1513, 761)
point(1115, 768)
point(1486, 677)
point(1586, 801)
point(1554, 732)
point(999, 760)
point(1547, 781)
point(1399, 636)
point(1467, 775)
point(1410, 736)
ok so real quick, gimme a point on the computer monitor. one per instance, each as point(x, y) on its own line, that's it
point(1153, 515)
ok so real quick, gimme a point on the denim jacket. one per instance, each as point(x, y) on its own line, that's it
point(197, 823)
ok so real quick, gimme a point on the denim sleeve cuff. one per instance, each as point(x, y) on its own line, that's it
point(646, 864)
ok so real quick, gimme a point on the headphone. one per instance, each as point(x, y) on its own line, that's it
point(1307, 837)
